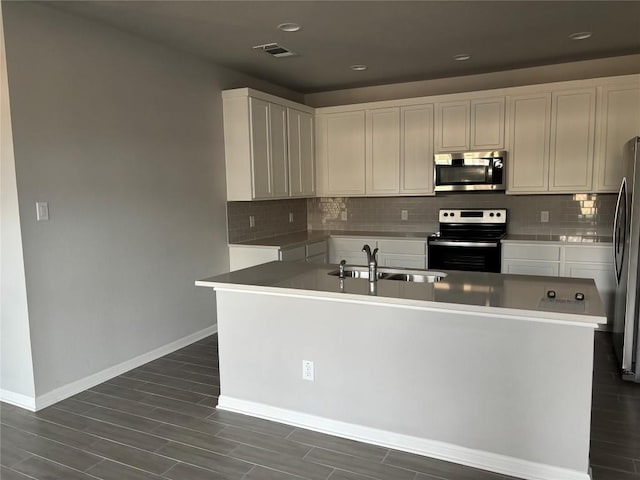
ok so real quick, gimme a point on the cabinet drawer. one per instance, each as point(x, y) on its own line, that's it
point(522, 267)
point(353, 244)
point(317, 248)
point(590, 254)
point(293, 254)
point(402, 261)
point(352, 258)
point(408, 247)
point(532, 252)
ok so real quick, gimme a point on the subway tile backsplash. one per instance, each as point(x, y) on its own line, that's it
point(578, 214)
point(271, 218)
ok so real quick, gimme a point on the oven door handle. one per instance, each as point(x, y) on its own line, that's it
point(446, 243)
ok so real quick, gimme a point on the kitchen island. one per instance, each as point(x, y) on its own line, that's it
point(477, 368)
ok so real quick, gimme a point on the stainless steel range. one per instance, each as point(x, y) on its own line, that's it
point(469, 239)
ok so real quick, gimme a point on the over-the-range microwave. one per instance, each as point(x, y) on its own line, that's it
point(468, 171)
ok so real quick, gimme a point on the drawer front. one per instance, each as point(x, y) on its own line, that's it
point(321, 258)
point(352, 258)
point(521, 267)
point(352, 244)
point(403, 261)
point(316, 248)
point(406, 247)
point(531, 252)
point(293, 254)
point(590, 254)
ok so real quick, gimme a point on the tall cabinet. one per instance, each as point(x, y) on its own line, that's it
point(269, 146)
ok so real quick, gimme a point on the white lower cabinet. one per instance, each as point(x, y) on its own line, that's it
point(245, 256)
point(575, 261)
point(394, 253)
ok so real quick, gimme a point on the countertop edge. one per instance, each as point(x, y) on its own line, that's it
point(588, 321)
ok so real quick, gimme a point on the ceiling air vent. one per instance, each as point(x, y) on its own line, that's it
point(275, 50)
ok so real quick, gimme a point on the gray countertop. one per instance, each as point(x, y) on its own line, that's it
point(517, 296)
point(290, 240)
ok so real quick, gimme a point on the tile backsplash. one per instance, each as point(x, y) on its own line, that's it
point(578, 214)
point(271, 218)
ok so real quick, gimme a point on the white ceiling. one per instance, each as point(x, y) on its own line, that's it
point(399, 40)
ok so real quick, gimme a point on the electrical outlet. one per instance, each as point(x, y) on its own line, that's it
point(307, 370)
point(544, 216)
point(404, 215)
point(252, 221)
point(290, 217)
point(343, 215)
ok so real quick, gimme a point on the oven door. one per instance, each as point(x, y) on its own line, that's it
point(478, 256)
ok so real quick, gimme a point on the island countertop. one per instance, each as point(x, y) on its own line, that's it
point(519, 296)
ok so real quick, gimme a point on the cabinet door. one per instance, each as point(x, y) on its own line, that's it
point(301, 154)
point(604, 277)
point(383, 151)
point(572, 140)
point(619, 120)
point(452, 126)
point(416, 152)
point(524, 267)
point(278, 150)
point(487, 124)
point(529, 128)
point(260, 138)
point(341, 153)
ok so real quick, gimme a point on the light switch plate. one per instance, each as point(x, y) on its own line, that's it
point(42, 211)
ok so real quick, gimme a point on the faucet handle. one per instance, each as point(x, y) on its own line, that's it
point(341, 268)
point(375, 252)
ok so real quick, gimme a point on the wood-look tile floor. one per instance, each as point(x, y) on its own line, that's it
point(159, 422)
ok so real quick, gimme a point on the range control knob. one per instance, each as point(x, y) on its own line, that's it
point(452, 214)
point(491, 214)
point(446, 214)
point(579, 296)
point(551, 293)
point(498, 214)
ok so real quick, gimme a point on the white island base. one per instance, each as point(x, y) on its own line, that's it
point(500, 392)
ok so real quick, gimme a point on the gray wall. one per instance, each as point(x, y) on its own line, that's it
point(524, 76)
point(124, 139)
point(16, 369)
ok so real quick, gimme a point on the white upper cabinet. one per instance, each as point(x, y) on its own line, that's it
point(528, 149)
point(572, 140)
point(301, 153)
point(452, 126)
point(487, 124)
point(476, 124)
point(618, 121)
point(416, 150)
point(341, 153)
point(258, 137)
point(383, 151)
point(278, 150)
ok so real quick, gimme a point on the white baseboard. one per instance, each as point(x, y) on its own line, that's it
point(73, 388)
point(18, 399)
point(445, 451)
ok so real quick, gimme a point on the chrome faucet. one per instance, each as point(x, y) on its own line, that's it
point(372, 261)
point(341, 268)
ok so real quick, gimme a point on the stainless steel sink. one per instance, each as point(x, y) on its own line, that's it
point(426, 277)
point(403, 275)
point(359, 272)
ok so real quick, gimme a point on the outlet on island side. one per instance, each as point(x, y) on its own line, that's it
point(307, 370)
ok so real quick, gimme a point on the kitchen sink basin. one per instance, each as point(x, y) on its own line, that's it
point(421, 276)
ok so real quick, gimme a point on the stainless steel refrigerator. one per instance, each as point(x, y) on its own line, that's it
point(626, 244)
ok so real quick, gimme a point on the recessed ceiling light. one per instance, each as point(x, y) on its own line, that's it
point(461, 57)
point(358, 68)
point(289, 27)
point(580, 35)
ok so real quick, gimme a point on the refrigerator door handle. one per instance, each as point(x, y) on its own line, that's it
point(616, 237)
